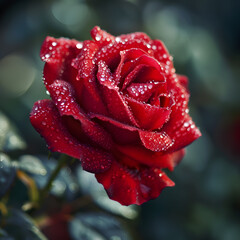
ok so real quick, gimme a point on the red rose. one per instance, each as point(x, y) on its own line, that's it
point(118, 106)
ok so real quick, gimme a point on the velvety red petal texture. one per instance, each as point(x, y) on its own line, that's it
point(62, 95)
point(149, 158)
point(118, 106)
point(133, 186)
point(57, 55)
point(148, 117)
point(47, 121)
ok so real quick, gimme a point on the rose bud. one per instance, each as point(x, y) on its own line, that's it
point(118, 106)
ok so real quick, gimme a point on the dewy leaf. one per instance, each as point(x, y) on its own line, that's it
point(7, 173)
point(63, 185)
point(9, 138)
point(4, 235)
point(31, 164)
point(99, 226)
point(90, 186)
point(20, 226)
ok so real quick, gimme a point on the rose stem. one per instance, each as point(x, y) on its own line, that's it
point(61, 162)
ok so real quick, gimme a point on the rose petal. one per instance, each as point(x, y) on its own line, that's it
point(183, 81)
point(90, 97)
point(161, 53)
point(143, 74)
point(185, 134)
point(101, 37)
point(116, 106)
point(137, 35)
point(47, 121)
point(127, 56)
point(58, 54)
point(121, 133)
point(110, 53)
point(133, 186)
point(144, 68)
point(148, 117)
point(125, 134)
point(180, 127)
point(155, 141)
point(63, 97)
point(144, 156)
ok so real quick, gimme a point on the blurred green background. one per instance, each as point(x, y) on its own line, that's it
point(203, 37)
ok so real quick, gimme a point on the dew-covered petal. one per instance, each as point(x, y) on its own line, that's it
point(133, 186)
point(145, 92)
point(155, 141)
point(63, 97)
point(144, 156)
point(185, 134)
point(143, 74)
point(110, 53)
point(148, 117)
point(57, 55)
point(105, 76)
point(125, 134)
point(90, 97)
point(116, 106)
point(127, 56)
point(121, 133)
point(137, 35)
point(180, 126)
point(183, 80)
point(101, 37)
point(161, 53)
point(144, 68)
point(48, 122)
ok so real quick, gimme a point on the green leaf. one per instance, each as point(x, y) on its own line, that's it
point(89, 226)
point(63, 186)
point(9, 138)
point(31, 164)
point(21, 227)
point(7, 174)
point(4, 235)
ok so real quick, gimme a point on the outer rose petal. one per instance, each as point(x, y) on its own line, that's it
point(149, 158)
point(133, 186)
point(161, 53)
point(62, 94)
point(90, 97)
point(123, 134)
point(47, 121)
point(101, 37)
point(137, 35)
point(180, 126)
point(58, 55)
point(183, 81)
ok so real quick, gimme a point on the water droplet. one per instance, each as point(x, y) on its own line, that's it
point(98, 38)
point(79, 45)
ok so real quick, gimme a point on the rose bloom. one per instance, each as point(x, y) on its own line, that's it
point(118, 106)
